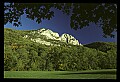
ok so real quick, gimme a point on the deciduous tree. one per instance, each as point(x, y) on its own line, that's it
point(82, 14)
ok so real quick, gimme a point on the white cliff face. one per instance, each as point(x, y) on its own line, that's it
point(39, 40)
point(48, 34)
point(69, 39)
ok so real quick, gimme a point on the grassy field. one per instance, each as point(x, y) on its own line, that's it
point(87, 74)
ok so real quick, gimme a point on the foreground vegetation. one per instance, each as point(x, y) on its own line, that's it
point(21, 54)
point(86, 74)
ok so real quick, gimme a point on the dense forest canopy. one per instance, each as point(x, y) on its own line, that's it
point(21, 54)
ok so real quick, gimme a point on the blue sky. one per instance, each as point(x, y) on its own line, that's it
point(61, 23)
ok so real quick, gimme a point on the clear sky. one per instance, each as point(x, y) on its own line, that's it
point(60, 23)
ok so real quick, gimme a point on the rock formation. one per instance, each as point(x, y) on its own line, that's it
point(50, 35)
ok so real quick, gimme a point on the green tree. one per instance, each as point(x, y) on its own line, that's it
point(102, 60)
point(92, 59)
point(33, 56)
point(82, 14)
point(102, 46)
point(20, 65)
point(8, 61)
point(23, 59)
point(111, 59)
point(55, 53)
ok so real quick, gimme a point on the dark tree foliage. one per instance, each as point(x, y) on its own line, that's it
point(104, 14)
point(102, 46)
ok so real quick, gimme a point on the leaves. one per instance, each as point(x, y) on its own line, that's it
point(82, 14)
point(15, 24)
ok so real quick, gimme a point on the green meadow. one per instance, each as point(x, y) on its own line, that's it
point(84, 74)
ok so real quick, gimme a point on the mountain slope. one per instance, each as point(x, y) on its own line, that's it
point(22, 52)
point(48, 37)
point(102, 46)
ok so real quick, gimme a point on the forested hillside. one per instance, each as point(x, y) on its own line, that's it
point(102, 46)
point(22, 54)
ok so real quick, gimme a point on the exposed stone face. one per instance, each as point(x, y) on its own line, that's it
point(48, 34)
point(69, 39)
point(39, 40)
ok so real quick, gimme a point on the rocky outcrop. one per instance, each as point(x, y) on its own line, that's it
point(69, 39)
point(41, 41)
point(48, 34)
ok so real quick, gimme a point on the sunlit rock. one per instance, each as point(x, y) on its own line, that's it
point(43, 36)
point(69, 39)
